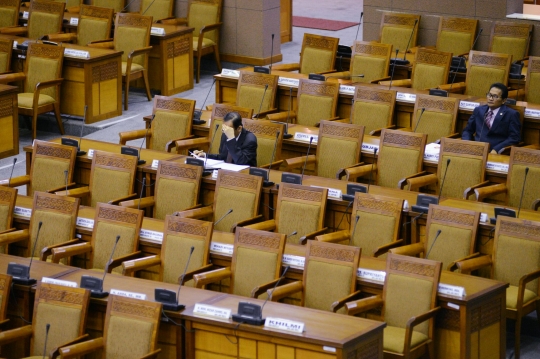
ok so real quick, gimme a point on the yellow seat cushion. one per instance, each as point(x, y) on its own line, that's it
point(394, 339)
point(205, 43)
point(134, 67)
point(26, 100)
point(512, 296)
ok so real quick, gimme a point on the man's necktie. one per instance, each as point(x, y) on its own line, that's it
point(489, 119)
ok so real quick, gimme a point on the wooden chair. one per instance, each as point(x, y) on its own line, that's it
point(338, 147)
point(112, 179)
point(532, 85)
point(400, 156)
point(6, 48)
point(45, 17)
point(396, 30)
point(438, 119)
point(299, 213)
point(5, 288)
point(47, 170)
point(109, 222)
point(158, 9)
point(256, 263)
point(269, 136)
point(7, 206)
point(64, 308)
point(235, 191)
point(9, 13)
point(327, 265)
point(515, 260)
point(173, 119)
point(179, 235)
point(373, 108)
point(511, 38)
point(318, 55)
point(377, 228)
point(408, 306)
point(316, 101)
point(176, 189)
point(456, 35)
point(117, 5)
point(130, 331)
point(72, 5)
point(370, 62)
point(250, 92)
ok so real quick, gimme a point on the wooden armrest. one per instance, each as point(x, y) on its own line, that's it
point(139, 203)
point(207, 28)
point(189, 275)
point(384, 249)
point(69, 185)
point(378, 131)
point(179, 21)
point(342, 75)
point(62, 37)
point(130, 267)
point(133, 135)
point(269, 225)
point(75, 192)
point(453, 88)
point(397, 83)
point(536, 204)
point(285, 290)
point(13, 335)
point(183, 145)
point(414, 183)
point(286, 67)
point(140, 51)
point(151, 355)
point(335, 237)
point(211, 277)
point(363, 305)
point(281, 116)
point(233, 227)
point(196, 213)
point(263, 114)
point(47, 84)
point(489, 191)
point(47, 251)
point(529, 277)
point(172, 143)
point(409, 250)
point(16, 30)
point(414, 321)
point(9, 230)
point(80, 349)
point(3, 322)
point(122, 199)
point(117, 262)
point(312, 235)
point(13, 237)
point(102, 44)
point(335, 118)
point(351, 173)
point(16, 181)
point(452, 266)
point(506, 150)
point(257, 291)
point(376, 81)
point(56, 351)
point(275, 165)
point(247, 222)
point(466, 267)
point(298, 162)
point(337, 305)
point(70, 251)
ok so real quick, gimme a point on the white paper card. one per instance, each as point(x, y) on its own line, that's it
point(221, 248)
point(230, 73)
point(209, 163)
point(332, 192)
point(375, 275)
point(432, 152)
point(23, 212)
point(300, 136)
point(329, 349)
point(468, 105)
point(25, 15)
point(152, 235)
point(232, 167)
point(293, 261)
point(90, 153)
point(85, 222)
point(208, 310)
point(15, 43)
point(285, 81)
point(76, 53)
point(65, 283)
point(157, 31)
point(345, 89)
point(155, 163)
point(74, 21)
point(214, 174)
point(532, 113)
point(452, 290)
point(408, 97)
point(127, 294)
point(484, 217)
point(453, 306)
point(284, 324)
point(405, 204)
point(369, 147)
point(497, 166)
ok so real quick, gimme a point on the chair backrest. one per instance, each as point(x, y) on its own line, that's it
point(43, 63)
point(520, 159)
point(45, 17)
point(516, 251)
point(458, 234)
point(131, 327)
point(131, 32)
point(5, 287)
point(329, 273)
point(532, 85)
point(65, 309)
point(373, 107)
point(9, 12)
point(177, 187)
point(112, 176)
point(456, 35)
point(410, 289)
point(111, 221)
point(339, 146)
point(158, 9)
point(378, 223)
point(396, 30)
point(70, 3)
point(202, 13)
point(173, 120)
point(430, 69)
point(467, 165)
point(49, 161)
point(316, 101)
point(511, 38)
point(267, 133)
point(300, 209)
point(6, 48)
point(318, 53)
point(439, 118)
point(370, 59)
point(250, 91)
point(484, 69)
point(401, 154)
point(117, 5)
point(8, 196)
point(239, 192)
point(179, 235)
point(256, 259)
point(94, 24)
point(219, 110)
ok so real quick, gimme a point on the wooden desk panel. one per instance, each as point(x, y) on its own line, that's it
point(9, 121)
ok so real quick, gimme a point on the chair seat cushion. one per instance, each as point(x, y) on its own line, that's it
point(26, 100)
point(134, 67)
point(205, 43)
point(512, 296)
point(394, 339)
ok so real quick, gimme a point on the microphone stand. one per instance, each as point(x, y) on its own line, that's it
point(287, 135)
point(262, 100)
point(419, 118)
point(307, 155)
point(393, 68)
point(198, 113)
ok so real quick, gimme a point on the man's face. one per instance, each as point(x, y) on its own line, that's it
point(229, 124)
point(494, 98)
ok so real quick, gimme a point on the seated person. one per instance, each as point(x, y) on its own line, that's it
point(494, 123)
point(238, 145)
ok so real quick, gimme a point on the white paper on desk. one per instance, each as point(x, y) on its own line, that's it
point(432, 152)
point(213, 163)
point(232, 167)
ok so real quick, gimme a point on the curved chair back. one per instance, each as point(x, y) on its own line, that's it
point(173, 120)
point(532, 85)
point(316, 101)
point(373, 108)
point(430, 69)
point(484, 69)
point(318, 53)
point(520, 159)
point(267, 133)
point(94, 24)
point(439, 118)
point(202, 13)
point(132, 31)
point(6, 48)
point(117, 5)
point(511, 38)
point(250, 91)
point(43, 63)
point(219, 110)
point(371, 60)
point(396, 30)
point(45, 17)
point(456, 35)
point(9, 12)
point(8, 196)
point(158, 9)
point(5, 287)
point(49, 161)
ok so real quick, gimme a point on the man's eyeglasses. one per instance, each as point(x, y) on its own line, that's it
point(492, 96)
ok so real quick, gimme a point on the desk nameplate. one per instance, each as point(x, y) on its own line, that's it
point(85, 222)
point(127, 294)
point(211, 311)
point(65, 283)
point(23, 212)
point(284, 324)
point(286, 81)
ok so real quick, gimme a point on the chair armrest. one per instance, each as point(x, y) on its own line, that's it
point(207, 28)
point(183, 145)
point(13, 335)
point(286, 67)
point(247, 222)
point(70, 251)
point(263, 114)
point(506, 150)
point(397, 83)
point(522, 285)
point(47, 84)
point(130, 267)
point(489, 191)
point(122, 199)
point(13, 237)
point(409, 250)
point(351, 173)
point(117, 262)
point(335, 237)
point(196, 213)
point(69, 185)
point(285, 290)
point(454, 88)
point(337, 305)
point(172, 143)
point(384, 249)
point(75, 192)
point(376, 81)
point(141, 51)
point(16, 30)
point(269, 225)
point(452, 266)
point(414, 321)
point(212, 276)
point(280, 116)
point(47, 251)
point(418, 180)
point(151, 355)
point(16, 181)
point(275, 165)
point(363, 305)
point(9, 230)
point(466, 267)
point(56, 351)
point(342, 75)
point(67, 37)
point(79, 349)
point(378, 131)
point(132, 135)
point(297, 162)
point(257, 291)
point(102, 44)
point(312, 235)
point(536, 204)
point(138, 203)
point(179, 21)
point(189, 275)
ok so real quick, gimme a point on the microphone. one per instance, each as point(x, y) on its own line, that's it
point(371, 172)
point(454, 77)
point(142, 191)
point(412, 221)
point(359, 24)
point(262, 100)
point(267, 182)
point(434, 240)
point(354, 230)
point(393, 68)
point(225, 215)
point(12, 168)
point(307, 155)
point(21, 272)
point(95, 285)
point(419, 118)
point(168, 298)
point(129, 3)
point(404, 61)
point(523, 190)
point(198, 113)
point(211, 142)
point(47, 327)
point(79, 151)
point(444, 177)
point(477, 37)
point(271, 52)
point(66, 180)
point(292, 234)
point(287, 135)
point(148, 7)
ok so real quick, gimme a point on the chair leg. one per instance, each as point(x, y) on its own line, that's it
point(147, 85)
point(216, 55)
point(517, 340)
point(126, 94)
point(198, 66)
point(58, 117)
point(34, 125)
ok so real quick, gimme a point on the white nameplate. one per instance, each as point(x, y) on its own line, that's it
point(90, 153)
point(452, 290)
point(375, 275)
point(208, 310)
point(332, 192)
point(532, 113)
point(369, 147)
point(221, 248)
point(345, 89)
point(65, 283)
point(405, 204)
point(230, 73)
point(15, 43)
point(155, 163)
point(127, 294)
point(85, 222)
point(215, 174)
point(293, 261)
point(77, 53)
point(157, 31)
point(467, 105)
point(305, 137)
point(74, 21)
point(153, 235)
point(497, 166)
point(329, 349)
point(484, 217)
point(23, 212)
point(25, 15)
point(408, 97)
point(284, 324)
point(285, 81)
point(431, 157)
point(453, 306)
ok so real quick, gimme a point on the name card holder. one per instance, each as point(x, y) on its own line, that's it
point(369, 147)
point(347, 90)
point(374, 275)
point(408, 97)
point(127, 294)
point(215, 174)
point(65, 283)
point(74, 21)
point(332, 192)
point(497, 166)
point(293, 261)
point(468, 105)
point(211, 311)
point(157, 31)
point(300, 136)
point(285, 81)
point(532, 113)
point(284, 324)
point(152, 235)
point(23, 212)
point(222, 248)
point(77, 53)
point(452, 290)
point(85, 222)
point(90, 153)
point(155, 163)
point(431, 156)
point(25, 15)
point(230, 73)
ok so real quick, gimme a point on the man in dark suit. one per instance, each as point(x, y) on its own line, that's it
point(238, 145)
point(494, 123)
